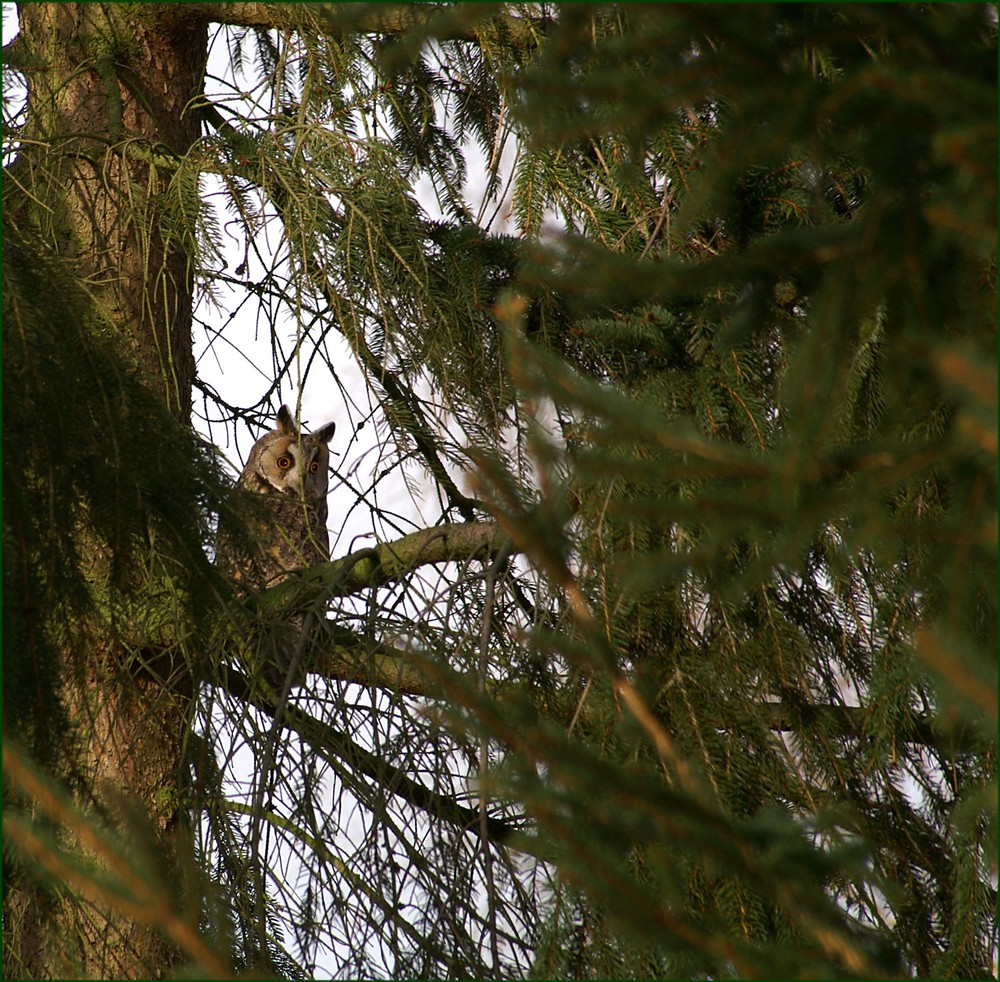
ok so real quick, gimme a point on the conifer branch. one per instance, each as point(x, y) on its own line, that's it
point(329, 742)
point(350, 657)
point(418, 429)
point(849, 722)
point(383, 19)
point(387, 562)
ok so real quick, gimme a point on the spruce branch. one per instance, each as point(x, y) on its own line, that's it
point(335, 21)
point(387, 562)
point(329, 743)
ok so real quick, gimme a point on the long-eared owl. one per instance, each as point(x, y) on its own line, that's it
point(287, 524)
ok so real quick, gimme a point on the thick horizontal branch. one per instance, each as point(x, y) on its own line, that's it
point(261, 15)
point(387, 562)
point(444, 22)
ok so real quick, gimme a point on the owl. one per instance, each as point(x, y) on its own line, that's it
point(281, 499)
point(287, 524)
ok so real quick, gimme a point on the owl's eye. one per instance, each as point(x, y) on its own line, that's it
point(284, 462)
point(313, 467)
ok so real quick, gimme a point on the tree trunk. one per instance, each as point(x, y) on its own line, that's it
point(110, 111)
point(110, 102)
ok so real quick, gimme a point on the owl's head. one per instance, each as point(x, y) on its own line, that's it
point(289, 462)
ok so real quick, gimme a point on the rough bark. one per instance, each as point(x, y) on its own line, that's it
point(109, 101)
point(108, 97)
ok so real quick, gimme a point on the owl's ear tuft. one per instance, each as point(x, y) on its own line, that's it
point(286, 424)
point(325, 433)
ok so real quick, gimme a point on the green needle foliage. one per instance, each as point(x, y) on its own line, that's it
point(775, 391)
point(691, 670)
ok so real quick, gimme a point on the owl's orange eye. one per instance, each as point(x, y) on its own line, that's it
point(313, 467)
point(284, 462)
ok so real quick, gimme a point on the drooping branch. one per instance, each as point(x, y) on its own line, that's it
point(418, 428)
point(402, 399)
point(329, 742)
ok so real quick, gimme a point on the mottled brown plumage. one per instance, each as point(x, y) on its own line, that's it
point(281, 497)
point(287, 523)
